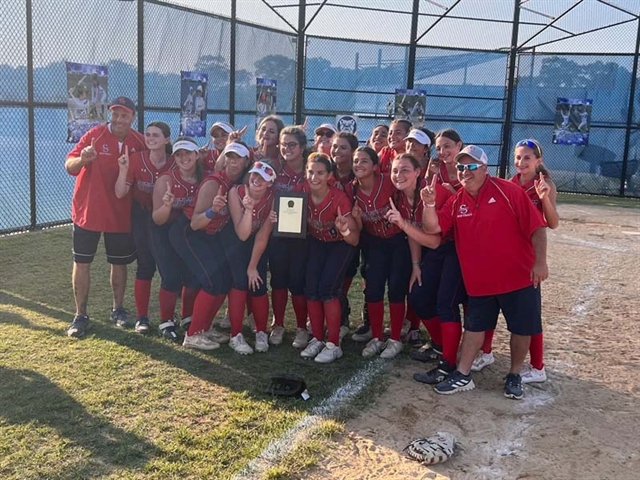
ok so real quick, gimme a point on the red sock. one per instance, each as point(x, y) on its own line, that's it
point(488, 341)
point(300, 309)
point(332, 315)
point(236, 301)
point(279, 304)
point(433, 327)
point(535, 352)
point(249, 310)
point(141, 293)
point(396, 312)
point(346, 285)
point(205, 308)
point(260, 308)
point(376, 317)
point(451, 334)
point(316, 316)
point(167, 301)
point(413, 318)
point(188, 299)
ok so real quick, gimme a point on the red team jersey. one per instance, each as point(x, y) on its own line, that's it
point(530, 190)
point(94, 205)
point(493, 236)
point(142, 176)
point(386, 156)
point(209, 162)
point(287, 179)
point(184, 194)
point(321, 217)
point(221, 218)
point(443, 177)
point(261, 210)
point(375, 206)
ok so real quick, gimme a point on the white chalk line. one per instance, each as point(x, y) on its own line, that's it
point(278, 448)
point(586, 243)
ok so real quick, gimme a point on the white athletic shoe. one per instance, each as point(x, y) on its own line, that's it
point(362, 334)
point(406, 326)
point(224, 322)
point(302, 338)
point(533, 375)
point(314, 347)
point(217, 336)
point(239, 344)
point(262, 342)
point(482, 360)
point(277, 332)
point(374, 347)
point(329, 353)
point(309, 327)
point(344, 330)
point(391, 349)
point(199, 341)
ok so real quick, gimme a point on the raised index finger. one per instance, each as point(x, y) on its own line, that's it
point(434, 180)
point(126, 151)
point(93, 142)
point(393, 206)
point(339, 212)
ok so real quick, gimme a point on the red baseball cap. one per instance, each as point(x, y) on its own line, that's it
point(123, 102)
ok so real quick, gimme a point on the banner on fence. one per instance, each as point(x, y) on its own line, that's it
point(347, 123)
point(87, 103)
point(266, 89)
point(572, 122)
point(410, 105)
point(193, 99)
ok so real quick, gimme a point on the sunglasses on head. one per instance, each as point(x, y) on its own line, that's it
point(530, 144)
point(263, 166)
point(461, 167)
point(326, 133)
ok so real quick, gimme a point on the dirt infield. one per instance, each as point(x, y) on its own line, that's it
point(584, 422)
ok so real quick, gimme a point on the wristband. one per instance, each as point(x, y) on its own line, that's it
point(209, 213)
point(346, 233)
point(415, 264)
point(430, 205)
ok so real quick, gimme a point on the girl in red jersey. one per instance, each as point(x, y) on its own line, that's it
point(378, 138)
point(140, 170)
point(172, 192)
point(397, 133)
point(385, 248)
point(448, 145)
point(418, 143)
point(267, 137)
point(250, 206)
point(333, 235)
point(208, 157)
point(323, 137)
point(536, 181)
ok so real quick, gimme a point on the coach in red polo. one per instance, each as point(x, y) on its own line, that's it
point(96, 210)
point(502, 245)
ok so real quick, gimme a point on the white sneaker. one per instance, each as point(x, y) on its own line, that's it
point(277, 333)
point(344, 330)
point(262, 342)
point(329, 353)
point(391, 349)
point(362, 334)
point(217, 336)
point(239, 344)
point(314, 347)
point(533, 375)
point(309, 327)
point(224, 322)
point(374, 347)
point(406, 326)
point(302, 338)
point(482, 360)
point(199, 341)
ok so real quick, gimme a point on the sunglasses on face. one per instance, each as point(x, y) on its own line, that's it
point(290, 144)
point(530, 144)
point(461, 167)
point(327, 134)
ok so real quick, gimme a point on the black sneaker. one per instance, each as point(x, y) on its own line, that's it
point(435, 375)
point(413, 339)
point(184, 323)
point(120, 317)
point(362, 333)
point(427, 353)
point(168, 331)
point(513, 386)
point(454, 383)
point(345, 310)
point(78, 327)
point(143, 325)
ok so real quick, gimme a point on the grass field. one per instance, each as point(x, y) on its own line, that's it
point(121, 405)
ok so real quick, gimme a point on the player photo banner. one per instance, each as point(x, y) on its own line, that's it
point(193, 101)
point(410, 105)
point(266, 89)
point(87, 102)
point(572, 122)
point(347, 123)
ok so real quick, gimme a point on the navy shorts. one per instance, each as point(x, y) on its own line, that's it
point(120, 247)
point(522, 309)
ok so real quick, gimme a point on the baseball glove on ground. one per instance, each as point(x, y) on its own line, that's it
point(436, 449)
point(287, 385)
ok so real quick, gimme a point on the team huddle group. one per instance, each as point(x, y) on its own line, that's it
point(438, 234)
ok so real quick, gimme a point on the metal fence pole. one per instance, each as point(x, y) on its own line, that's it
point(232, 63)
point(511, 76)
point(411, 63)
point(141, 66)
point(300, 54)
point(632, 99)
point(31, 113)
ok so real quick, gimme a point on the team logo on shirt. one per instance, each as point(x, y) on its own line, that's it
point(492, 200)
point(105, 148)
point(463, 211)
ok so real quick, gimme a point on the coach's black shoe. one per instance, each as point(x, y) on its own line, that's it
point(435, 375)
point(143, 325)
point(513, 386)
point(78, 327)
point(168, 331)
point(454, 383)
point(427, 353)
point(120, 317)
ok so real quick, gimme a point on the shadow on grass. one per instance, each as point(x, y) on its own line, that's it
point(34, 399)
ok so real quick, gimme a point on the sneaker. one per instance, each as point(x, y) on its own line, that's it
point(391, 349)
point(309, 327)
point(302, 338)
point(142, 325)
point(406, 326)
point(239, 344)
point(262, 342)
point(224, 322)
point(120, 317)
point(454, 383)
point(413, 339)
point(168, 330)
point(362, 333)
point(314, 347)
point(277, 332)
point(374, 347)
point(513, 386)
point(78, 327)
point(435, 375)
point(482, 360)
point(533, 375)
point(329, 353)
point(217, 336)
point(199, 341)
point(427, 353)
point(184, 323)
point(344, 330)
